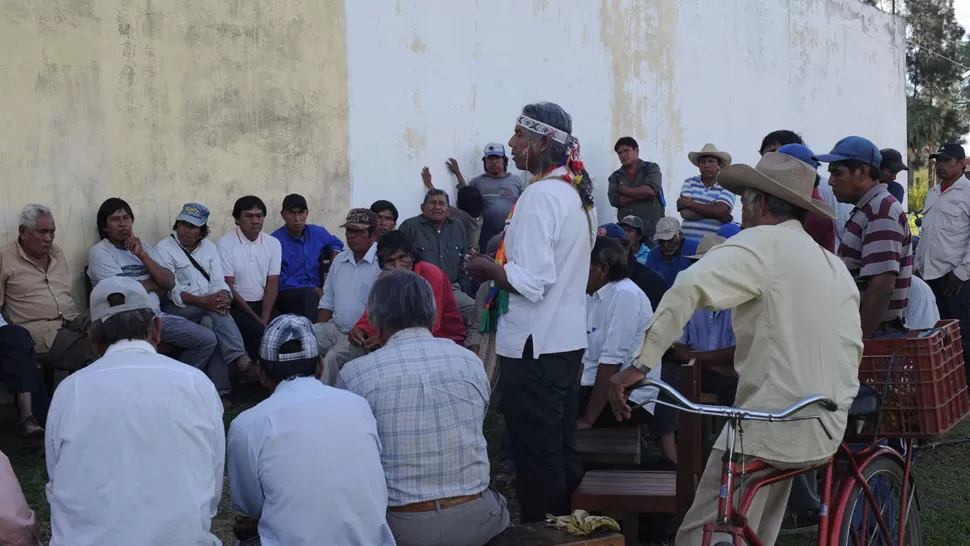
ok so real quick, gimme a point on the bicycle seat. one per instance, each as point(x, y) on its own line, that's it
point(866, 402)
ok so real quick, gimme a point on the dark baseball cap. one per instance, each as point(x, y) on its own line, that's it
point(950, 150)
point(633, 222)
point(892, 160)
point(294, 201)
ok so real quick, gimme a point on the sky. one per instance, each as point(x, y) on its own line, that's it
point(962, 9)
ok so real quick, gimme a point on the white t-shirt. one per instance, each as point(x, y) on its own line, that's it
point(188, 278)
point(547, 246)
point(250, 262)
point(135, 452)
point(922, 312)
point(105, 260)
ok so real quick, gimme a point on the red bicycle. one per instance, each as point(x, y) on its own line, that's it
point(868, 497)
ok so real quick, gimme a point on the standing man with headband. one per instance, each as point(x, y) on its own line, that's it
point(539, 289)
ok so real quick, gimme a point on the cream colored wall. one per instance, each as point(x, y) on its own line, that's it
point(162, 102)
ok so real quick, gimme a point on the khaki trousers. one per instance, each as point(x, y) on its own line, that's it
point(764, 516)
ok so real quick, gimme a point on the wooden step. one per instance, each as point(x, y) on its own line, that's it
point(627, 491)
point(609, 446)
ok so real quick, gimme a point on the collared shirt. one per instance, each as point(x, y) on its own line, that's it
point(709, 330)
point(448, 322)
point(429, 397)
point(249, 263)
point(945, 243)
point(37, 299)
point(798, 329)
point(922, 312)
point(306, 464)
point(348, 285)
point(642, 253)
point(301, 257)
point(18, 525)
point(105, 260)
point(188, 278)
point(695, 189)
point(616, 317)
point(669, 269)
point(445, 249)
point(135, 452)
point(877, 240)
point(547, 247)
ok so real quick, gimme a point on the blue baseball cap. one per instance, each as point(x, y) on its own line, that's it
point(193, 213)
point(853, 148)
point(800, 152)
point(494, 149)
point(613, 231)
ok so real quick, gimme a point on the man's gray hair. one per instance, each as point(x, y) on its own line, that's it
point(401, 299)
point(550, 114)
point(30, 213)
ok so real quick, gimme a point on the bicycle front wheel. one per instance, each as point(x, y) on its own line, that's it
point(860, 526)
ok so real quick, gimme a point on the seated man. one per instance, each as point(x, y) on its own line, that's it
point(633, 226)
point(708, 339)
point(648, 280)
point(121, 254)
point(337, 496)
point(395, 252)
point(18, 524)
point(386, 216)
point(442, 241)
point(345, 292)
point(305, 248)
point(135, 441)
point(201, 293)
point(18, 371)
point(669, 257)
point(427, 393)
point(468, 209)
point(36, 293)
point(251, 265)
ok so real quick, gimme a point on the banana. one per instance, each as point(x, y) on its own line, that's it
point(580, 523)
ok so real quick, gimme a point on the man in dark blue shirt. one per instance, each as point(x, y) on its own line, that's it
point(305, 247)
point(670, 256)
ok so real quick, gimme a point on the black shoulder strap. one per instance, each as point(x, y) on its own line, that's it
point(191, 259)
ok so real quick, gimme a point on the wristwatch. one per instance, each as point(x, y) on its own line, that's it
point(640, 366)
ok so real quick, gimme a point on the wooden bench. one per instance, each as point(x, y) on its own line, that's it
point(611, 446)
point(537, 534)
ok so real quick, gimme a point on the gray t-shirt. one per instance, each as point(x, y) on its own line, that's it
point(106, 260)
point(500, 194)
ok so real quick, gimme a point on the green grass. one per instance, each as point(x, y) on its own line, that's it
point(944, 491)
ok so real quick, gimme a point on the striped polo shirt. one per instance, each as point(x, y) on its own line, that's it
point(877, 240)
point(695, 189)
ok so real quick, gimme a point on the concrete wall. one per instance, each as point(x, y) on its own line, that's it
point(166, 102)
point(431, 79)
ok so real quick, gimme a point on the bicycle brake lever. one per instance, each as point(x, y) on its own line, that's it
point(828, 405)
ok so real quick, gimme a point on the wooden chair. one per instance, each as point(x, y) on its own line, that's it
point(609, 447)
point(537, 534)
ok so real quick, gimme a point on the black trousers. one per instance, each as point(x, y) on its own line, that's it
point(250, 328)
point(606, 417)
point(18, 368)
point(299, 301)
point(955, 307)
point(541, 402)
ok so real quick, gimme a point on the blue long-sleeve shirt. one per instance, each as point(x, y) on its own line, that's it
point(301, 257)
point(680, 261)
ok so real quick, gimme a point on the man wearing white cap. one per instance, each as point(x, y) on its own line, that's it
point(670, 256)
point(797, 326)
point(306, 462)
point(135, 441)
point(499, 187)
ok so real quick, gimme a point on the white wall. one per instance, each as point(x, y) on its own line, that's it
point(429, 79)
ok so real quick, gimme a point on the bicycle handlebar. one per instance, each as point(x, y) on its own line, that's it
point(738, 413)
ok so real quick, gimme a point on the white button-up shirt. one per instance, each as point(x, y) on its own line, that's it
point(347, 286)
point(945, 243)
point(135, 452)
point(306, 463)
point(798, 329)
point(188, 278)
point(617, 315)
point(547, 247)
point(921, 312)
point(249, 263)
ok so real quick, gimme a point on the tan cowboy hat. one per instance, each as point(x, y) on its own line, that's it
point(780, 175)
point(708, 242)
point(709, 149)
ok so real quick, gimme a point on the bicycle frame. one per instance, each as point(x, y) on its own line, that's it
point(731, 520)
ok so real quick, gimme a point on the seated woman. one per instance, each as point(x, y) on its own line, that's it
point(617, 315)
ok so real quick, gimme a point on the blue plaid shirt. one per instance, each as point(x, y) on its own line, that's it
point(429, 396)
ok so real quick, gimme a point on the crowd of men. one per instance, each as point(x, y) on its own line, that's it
point(372, 347)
